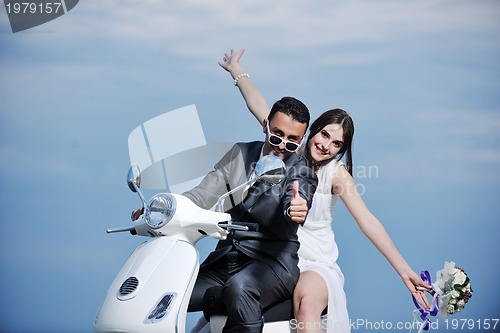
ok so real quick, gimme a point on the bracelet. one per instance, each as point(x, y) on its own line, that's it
point(239, 77)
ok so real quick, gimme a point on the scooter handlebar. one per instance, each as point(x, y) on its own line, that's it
point(242, 226)
point(131, 229)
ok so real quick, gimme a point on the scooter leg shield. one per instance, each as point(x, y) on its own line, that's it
point(164, 271)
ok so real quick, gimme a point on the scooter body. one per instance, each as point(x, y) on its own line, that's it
point(151, 292)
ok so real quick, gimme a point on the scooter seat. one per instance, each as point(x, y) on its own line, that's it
point(278, 314)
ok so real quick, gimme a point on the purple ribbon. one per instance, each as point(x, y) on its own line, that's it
point(425, 314)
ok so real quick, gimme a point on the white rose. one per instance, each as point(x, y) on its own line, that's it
point(450, 309)
point(459, 278)
point(461, 303)
point(454, 294)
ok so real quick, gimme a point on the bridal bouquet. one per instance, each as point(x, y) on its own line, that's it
point(453, 289)
point(451, 292)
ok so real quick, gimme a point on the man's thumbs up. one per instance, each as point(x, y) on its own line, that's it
point(298, 205)
point(295, 190)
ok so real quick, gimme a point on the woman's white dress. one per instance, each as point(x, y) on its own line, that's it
point(318, 251)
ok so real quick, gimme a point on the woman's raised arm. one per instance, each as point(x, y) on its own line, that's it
point(252, 96)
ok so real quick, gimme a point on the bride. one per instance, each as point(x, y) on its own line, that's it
point(321, 282)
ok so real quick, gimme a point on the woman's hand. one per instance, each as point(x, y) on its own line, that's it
point(417, 288)
point(254, 100)
point(231, 62)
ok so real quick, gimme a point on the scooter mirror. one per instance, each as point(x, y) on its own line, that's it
point(270, 169)
point(134, 181)
point(134, 178)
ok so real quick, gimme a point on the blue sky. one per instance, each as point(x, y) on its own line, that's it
point(421, 80)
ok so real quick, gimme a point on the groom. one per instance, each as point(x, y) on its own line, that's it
point(252, 270)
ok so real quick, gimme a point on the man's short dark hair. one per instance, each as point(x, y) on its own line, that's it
point(291, 107)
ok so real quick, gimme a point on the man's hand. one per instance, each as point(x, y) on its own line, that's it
point(137, 213)
point(298, 205)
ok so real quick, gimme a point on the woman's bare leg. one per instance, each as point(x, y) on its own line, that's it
point(310, 299)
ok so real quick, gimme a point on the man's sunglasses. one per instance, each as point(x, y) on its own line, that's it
point(276, 141)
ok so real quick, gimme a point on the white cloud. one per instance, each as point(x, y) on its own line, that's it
point(195, 27)
point(438, 146)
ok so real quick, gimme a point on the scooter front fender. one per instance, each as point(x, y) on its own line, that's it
point(163, 269)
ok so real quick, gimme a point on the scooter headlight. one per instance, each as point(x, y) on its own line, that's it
point(160, 210)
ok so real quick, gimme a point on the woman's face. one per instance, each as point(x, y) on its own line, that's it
point(326, 143)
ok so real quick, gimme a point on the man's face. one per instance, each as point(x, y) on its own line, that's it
point(286, 128)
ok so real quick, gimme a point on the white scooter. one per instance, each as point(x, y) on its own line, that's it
point(151, 292)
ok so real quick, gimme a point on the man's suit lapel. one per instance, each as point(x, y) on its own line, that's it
point(259, 188)
point(254, 193)
point(252, 156)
